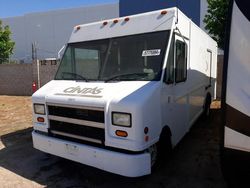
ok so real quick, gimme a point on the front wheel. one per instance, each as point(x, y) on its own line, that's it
point(153, 151)
point(160, 151)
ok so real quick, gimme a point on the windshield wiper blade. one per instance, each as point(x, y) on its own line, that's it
point(75, 76)
point(127, 75)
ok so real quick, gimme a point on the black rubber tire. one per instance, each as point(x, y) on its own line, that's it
point(206, 112)
point(162, 150)
point(164, 146)
point(153, 150)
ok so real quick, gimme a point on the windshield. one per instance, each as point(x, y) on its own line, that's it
point(129, 58)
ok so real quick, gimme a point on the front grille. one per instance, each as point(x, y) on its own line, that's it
point(77, 113)
point(78, 130)
point(80, 124)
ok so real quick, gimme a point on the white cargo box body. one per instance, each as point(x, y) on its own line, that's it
point(122, 119)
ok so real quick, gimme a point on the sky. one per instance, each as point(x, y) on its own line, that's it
point(10, 8)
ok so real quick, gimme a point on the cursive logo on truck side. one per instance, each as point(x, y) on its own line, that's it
point(83, 92)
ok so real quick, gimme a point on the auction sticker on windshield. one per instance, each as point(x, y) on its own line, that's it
point(154, 52)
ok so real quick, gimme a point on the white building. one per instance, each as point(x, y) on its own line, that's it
point(51, 30)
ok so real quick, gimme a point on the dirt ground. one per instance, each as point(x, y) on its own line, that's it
point(15, 114)
point(193, 164)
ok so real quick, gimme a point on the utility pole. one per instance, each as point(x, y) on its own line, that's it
point(35, 60)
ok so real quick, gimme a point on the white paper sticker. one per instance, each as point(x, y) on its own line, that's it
point(154, 52)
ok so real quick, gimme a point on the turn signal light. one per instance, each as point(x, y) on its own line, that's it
point(164, 12)
point(121, 133)
point(40, 119)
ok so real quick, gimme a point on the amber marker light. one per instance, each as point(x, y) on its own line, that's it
point(164, 12)
point(105, 23)
point(78, 27)
point(127, 19)
point(40, 119)
point(121, 133)
point(115, 21)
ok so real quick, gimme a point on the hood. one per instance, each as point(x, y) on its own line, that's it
point(95, 94)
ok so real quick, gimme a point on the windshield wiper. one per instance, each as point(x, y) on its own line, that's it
point(140, 74)
point(75, 76)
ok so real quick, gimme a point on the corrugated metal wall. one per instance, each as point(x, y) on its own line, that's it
point(51, 30)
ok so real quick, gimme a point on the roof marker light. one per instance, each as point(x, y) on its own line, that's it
point(105, 23)
point(115, 21)
point(78, 27)
point(164, 12)
point(127, 19)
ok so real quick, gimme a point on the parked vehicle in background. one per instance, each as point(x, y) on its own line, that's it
point(127, 90)
point(235, 146)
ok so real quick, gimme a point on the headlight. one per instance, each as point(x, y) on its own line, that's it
point(39, 109)
point(121, 119)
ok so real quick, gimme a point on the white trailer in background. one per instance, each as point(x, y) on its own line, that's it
point(236, 94)
point(127, 91)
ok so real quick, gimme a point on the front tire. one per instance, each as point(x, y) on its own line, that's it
point(153, 151)
point(160, 151)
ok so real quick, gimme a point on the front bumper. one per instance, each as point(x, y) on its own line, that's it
point(130, 165)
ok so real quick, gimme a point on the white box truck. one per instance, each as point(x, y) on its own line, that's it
point(127, 90)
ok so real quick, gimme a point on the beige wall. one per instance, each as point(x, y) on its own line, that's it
point(16, 79)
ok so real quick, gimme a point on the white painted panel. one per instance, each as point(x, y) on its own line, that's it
point(238, 87)
point(236, 140)
point(203, 12)
point(19, 35)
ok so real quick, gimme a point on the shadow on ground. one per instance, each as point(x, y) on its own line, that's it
point(194, 163)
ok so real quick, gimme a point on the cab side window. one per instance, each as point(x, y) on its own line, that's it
point(181, 62)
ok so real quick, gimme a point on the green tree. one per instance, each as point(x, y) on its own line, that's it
point(215, 20)
point(6, 44)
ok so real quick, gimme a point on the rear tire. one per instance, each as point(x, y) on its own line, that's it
point(206, 112)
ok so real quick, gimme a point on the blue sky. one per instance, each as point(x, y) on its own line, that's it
point(9, 8)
